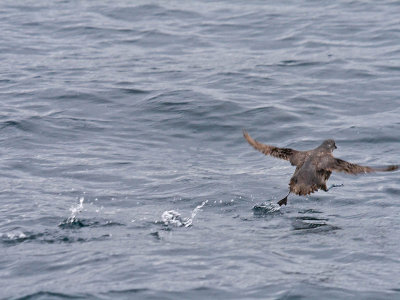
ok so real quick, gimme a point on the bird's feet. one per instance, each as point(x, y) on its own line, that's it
point(334, 185)
point(283, 201)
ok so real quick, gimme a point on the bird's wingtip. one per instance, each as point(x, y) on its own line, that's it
point(387, 169)
point(392, 168)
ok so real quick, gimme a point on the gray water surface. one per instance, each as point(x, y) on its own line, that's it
point(124, 173)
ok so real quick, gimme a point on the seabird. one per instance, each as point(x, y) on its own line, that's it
point(313, 167)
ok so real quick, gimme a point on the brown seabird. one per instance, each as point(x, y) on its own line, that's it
point(313, 167)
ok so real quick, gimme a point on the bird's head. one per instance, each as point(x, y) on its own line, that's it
point(329, 145)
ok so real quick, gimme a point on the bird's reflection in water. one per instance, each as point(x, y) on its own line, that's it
point(309, 221)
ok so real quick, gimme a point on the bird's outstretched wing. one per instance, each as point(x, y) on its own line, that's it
point(295, 157)
point(339, 165)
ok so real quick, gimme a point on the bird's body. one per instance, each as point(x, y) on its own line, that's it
point(313, 167)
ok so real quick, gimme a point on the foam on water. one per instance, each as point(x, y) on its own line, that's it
point(172, 217)
point(13, 236)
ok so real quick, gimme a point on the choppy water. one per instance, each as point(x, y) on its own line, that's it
point(124, 173)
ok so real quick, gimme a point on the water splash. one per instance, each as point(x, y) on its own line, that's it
point(72, 220)
point(75, 210)
point(172, 217)
point(194, 213)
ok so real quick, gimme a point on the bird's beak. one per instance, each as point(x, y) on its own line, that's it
point(335, 147)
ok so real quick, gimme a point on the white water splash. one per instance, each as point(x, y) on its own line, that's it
point(195, 211)
point(75, 210)
point(172, 217)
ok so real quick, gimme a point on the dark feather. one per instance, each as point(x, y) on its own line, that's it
point(295, 157)
point(340, 165)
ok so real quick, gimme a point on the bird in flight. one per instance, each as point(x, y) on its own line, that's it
point(313, 167)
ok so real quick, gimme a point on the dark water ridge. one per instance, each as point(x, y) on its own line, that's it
point(273, 293)
point(124, 173)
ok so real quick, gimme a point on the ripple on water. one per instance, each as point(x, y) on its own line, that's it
point(311, 224)
point(46, 237)
point(266, 209)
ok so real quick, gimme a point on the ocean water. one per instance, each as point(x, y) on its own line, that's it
point(124, 173)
